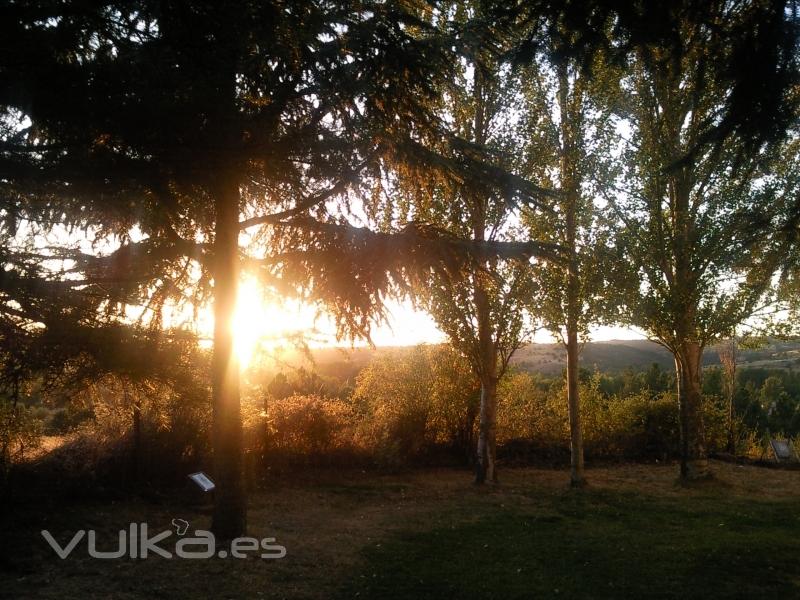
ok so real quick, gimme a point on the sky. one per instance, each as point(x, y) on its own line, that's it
point(405, 325)
point(408, 326)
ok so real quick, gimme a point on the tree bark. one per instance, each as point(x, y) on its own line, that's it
point(577, 477)
point(731, 445)
point(694, 456)
point(486, 469)
point(727, 356)
point(229, 517)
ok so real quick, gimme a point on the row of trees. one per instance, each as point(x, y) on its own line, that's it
point(477, 142)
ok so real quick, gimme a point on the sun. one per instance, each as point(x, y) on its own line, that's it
point(255, 322)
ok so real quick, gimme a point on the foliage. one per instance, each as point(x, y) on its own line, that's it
point(408, 402)
point(695, 271)
point(568, 144)
point(307, 427)
point(631, 422)
point(20, 432)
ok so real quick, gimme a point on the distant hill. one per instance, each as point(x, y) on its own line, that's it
point(618, 355)
point(610, 356)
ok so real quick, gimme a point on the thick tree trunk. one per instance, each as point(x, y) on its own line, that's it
point(694, 457)
point(487, 433)
point(229, 518)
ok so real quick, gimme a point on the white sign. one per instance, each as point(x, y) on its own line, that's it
point(782, 449)
point(202, 481)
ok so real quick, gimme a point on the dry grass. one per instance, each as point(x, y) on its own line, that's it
point(329, 523)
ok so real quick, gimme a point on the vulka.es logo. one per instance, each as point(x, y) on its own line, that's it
point(135, 542)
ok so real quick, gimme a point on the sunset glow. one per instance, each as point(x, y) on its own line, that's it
point(256, 323)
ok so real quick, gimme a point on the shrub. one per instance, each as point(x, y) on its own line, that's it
point(530, 408)
point(636, 425)
point(310, 426)
point(409, 402)
point(20, 432)
point(98, 442)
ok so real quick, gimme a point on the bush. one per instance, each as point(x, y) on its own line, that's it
point(98, 443)
point(530, 408)
point(306, 426)
point(635, 426)
point(408, 403)
point(408, 406)
point(20, 432)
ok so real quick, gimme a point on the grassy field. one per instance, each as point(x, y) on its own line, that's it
point(430, 534)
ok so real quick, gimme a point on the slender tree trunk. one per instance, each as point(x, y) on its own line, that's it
point(694, 457)
point(486, 469)
point(570, 124)
point(7, 436)
point(229, 518)
point(5, 466)
point(265, 430)
point(137, 431)
point(727, 356)
point(731, 445)
point(577, 477)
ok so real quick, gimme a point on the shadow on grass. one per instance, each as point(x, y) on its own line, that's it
point(594, 544)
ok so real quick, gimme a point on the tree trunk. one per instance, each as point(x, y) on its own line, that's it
point(229, 518)
point(485, 468)
point(577, 477)
point(694, 457)
point(486, 367)
point(570, 125)
point(727, 356)
point(487, 433)
point(731, 445)
point(5, 466)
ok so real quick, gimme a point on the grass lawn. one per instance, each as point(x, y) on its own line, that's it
point(430, 534)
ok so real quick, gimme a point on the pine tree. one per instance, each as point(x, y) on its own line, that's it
point(190, 123)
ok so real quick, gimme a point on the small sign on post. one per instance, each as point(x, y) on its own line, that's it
point(202, 481)
point(783, 450)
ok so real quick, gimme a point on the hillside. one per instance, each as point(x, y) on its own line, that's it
point(608, 356)
point(618, 355)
